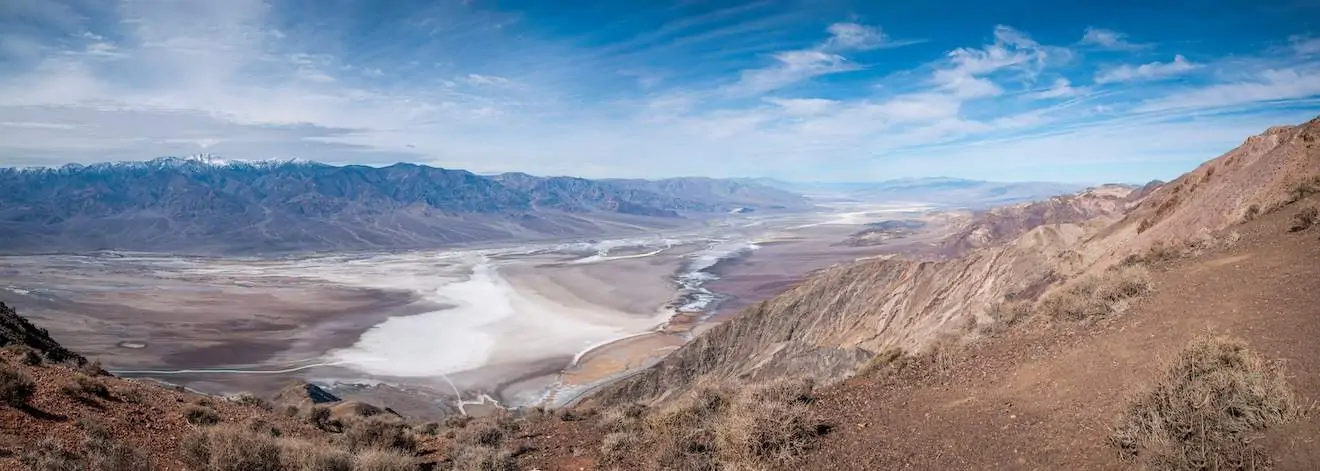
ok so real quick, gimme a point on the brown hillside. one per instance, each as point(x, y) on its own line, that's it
point(1003, 224)
point(831, 323)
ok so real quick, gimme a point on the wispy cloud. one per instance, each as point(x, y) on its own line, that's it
point(1150, 71)
point(1110, 39)
point(823, 58)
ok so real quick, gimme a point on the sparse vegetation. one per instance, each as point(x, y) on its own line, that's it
point(1303, 189)
point(764, 427)
point(100, 452)
point(383, 460)
point(882, 361)
point(1097, 296)
point(302, 455)
point(85, 389)
point(201, 415)
point(253, 401)
point(1252, 212)
point(230, 447)
point(320, 417)
point(1204, 410)
point(377, 434)
point(469, 457)
point(16, 388)
point(1304, 219)
point(1005, 314)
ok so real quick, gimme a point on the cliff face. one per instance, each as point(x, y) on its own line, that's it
point(832, 323)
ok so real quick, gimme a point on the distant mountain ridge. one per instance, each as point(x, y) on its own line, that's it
point(206, 204)
point(944, 191)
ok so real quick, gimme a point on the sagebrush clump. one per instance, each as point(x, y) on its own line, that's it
point(1206, 408)
point(1097, 296)
point(16, 388)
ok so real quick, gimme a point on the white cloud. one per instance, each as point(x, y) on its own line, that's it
point(1109, 39)
point(491, 80)
point(854, 36)
point(1061, 88)
point(1305, 45)
point(804, 106)
point(1150, 71)
point(1268, 85)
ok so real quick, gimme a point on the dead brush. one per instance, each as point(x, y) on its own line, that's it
point(1304, 219)
point(1006, 314)
point(1097, 296)
point(1202, 412)
point(764, 427)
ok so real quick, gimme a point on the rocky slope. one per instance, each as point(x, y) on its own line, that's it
point(203, 205)
point(1005, 223)
point(840, 318)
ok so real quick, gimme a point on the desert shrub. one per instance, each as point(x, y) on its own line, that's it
point(384, 460)
point(103, 453)
point(50, 455)
point(758, 428)
point(87, 386)
point(1304, 189)
point(614, 446)
point(489, 431)
point(1304, 219)
point(569, 415)
point(230, 448)
point(253, 400)
point(457, 421)
point(376, 434)
point(622, 418)
point(92, 368)
point(132, 395)
point(261, 426)
point(429, 428)
point(1097, 295)
point(27, 355)
point(880, 362)
point(100, 453)
point(1203, 411)
point(201, 415)
point(320, 417)
point(303, 455)
point(16, 388)
point(467, 457)
point(1252, 212)
point(1005, 314)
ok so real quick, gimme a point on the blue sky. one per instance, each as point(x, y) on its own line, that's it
point(802, 90)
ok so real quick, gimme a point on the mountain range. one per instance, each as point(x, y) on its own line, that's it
point(205, 205)
point(942, 191)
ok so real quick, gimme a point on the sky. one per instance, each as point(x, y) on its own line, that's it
point(823, 90)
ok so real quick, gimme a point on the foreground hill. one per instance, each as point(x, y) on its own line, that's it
point(202, 205)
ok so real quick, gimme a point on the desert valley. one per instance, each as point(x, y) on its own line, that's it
point(272, 235)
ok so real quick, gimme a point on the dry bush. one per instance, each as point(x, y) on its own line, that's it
point(764, 427)
point(84, 386)
point(457, 421)
point(384, 460)
point(1304, 189)
point(1304, 219)
point(16, 388)
point(1005, 314)
point(881, 362)
point(469, 457)
point(303, 455)
point(103, 453)
point(92, 368)
point(489, 431)
point(27, 355)
point(253, 400)
point(1097, 295)
point(376, 434)
point(1203, 410)
point(50, 455)
point(230, 447)
point(621, 418)
point(320, 417)
point(132, 396)
point(201, 415)
point(1252, 212)
point(617, 445)
point(100, 453)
